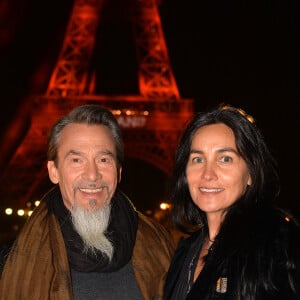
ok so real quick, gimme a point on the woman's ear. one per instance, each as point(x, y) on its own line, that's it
point(52, 171)
point(249, 181)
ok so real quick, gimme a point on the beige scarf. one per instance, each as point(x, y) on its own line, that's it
point(37, 266)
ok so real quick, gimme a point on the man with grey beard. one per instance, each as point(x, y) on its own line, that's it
point(91, 226)
point(86, 240)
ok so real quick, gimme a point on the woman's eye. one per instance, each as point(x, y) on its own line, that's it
point(226, 159)
point(197, 160)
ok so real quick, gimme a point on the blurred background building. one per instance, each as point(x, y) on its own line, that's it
point(153, 63)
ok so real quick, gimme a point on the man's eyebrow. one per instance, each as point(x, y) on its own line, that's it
point(73, 152)
point(106, 152)
point(101, 152)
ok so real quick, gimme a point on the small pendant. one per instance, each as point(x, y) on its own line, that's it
point(221, 286)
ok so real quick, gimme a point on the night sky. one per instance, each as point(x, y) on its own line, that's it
point(221, 51)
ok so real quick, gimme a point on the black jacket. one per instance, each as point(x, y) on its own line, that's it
point(270, 254)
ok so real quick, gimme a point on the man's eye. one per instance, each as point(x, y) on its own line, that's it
point(75, 160)
point(105, 160)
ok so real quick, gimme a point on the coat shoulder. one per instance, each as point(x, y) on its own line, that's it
point(4, 252)
point(155, 231)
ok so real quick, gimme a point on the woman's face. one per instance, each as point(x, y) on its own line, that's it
point(216, 174)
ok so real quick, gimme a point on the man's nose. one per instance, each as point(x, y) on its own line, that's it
point(92, 171)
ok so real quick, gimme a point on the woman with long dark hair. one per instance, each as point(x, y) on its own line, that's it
point(225, 186)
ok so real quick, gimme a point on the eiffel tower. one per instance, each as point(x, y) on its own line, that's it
point(151, 119)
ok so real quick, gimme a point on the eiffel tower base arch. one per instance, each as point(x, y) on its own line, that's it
point(152, 138)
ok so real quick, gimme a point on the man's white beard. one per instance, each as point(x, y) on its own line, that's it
point(91, 226)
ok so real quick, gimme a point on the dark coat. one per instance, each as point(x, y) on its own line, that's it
point(36, 265)
point(4, 251)
point(150, 262)
point(271, 253)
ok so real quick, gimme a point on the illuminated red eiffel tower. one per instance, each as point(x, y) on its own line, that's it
point(152, 119)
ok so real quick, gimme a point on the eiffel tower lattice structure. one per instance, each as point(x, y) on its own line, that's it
point(151, 119)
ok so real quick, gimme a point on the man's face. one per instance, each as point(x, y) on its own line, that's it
point(86, 171)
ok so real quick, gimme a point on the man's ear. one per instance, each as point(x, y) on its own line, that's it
point(52, 171)
point(119, 174)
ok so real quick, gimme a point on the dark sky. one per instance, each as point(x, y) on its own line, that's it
point(221, 51)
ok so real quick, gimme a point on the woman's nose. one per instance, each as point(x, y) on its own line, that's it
point(209, 172)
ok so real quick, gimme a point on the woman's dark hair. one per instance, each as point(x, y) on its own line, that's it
point(251, 146)
point(86, 114)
